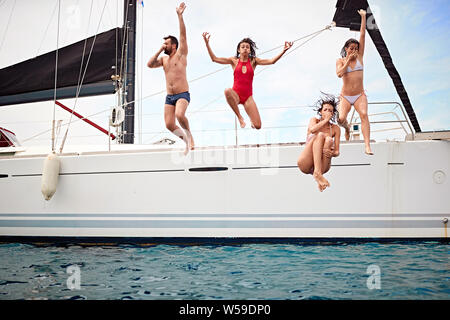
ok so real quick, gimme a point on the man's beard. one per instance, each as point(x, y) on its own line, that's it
point(168, 51)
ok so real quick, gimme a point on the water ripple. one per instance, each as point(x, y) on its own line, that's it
point(253, 271)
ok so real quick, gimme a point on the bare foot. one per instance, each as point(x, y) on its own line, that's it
point(189, 145)
point(368, 151)
point(321, 181)
point(186, 150)
point(242, 122)
point(326, 182)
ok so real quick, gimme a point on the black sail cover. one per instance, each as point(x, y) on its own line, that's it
point(346, 16)
point(34, 79)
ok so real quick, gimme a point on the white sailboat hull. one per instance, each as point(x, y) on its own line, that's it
point(255, 192)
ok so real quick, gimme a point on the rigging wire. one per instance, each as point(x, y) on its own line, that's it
point(64, 37)
point(82, 61)
point(82, 79)
point(65, 124)
point(141, 71)
point(312, 35)
point(125, 40)
point(46, 29)
point(56, 77)
point(84, 51)
point(7, 25)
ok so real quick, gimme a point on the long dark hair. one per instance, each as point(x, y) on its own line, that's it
point(346, 45)
point(252, 44)
point(327, 99)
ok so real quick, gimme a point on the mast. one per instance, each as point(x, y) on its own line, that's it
point(129, 25)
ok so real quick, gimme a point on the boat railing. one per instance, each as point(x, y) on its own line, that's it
point(401, 120)
point(293, 129)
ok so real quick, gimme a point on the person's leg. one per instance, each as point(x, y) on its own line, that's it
point(318, 144)
point(233, 100)
point(344, 109)
point(253, 113)
point(305, 161)
point(326, 160)
point(169, 118)
point(361, 108)
point(180, 114)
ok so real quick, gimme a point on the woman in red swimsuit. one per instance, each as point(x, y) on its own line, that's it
point(244, 64)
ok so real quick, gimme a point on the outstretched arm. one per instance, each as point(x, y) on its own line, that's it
point(287, 46)
point(362, 33)
point(154, 62)
point(183, 49)
point(206, 37)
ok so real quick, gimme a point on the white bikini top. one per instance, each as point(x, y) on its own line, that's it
point(358, 67)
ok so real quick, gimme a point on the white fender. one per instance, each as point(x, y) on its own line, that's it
point(117, 116)
point(50, 175)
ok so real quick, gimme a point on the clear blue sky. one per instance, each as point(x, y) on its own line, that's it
point(416, 33)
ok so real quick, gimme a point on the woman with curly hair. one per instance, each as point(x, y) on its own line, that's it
point(244, 64)
point(322, 142)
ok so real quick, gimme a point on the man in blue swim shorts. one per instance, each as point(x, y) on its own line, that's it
point(171, 99)
point(178, 98)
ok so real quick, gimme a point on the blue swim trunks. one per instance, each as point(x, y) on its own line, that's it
point(173, 98)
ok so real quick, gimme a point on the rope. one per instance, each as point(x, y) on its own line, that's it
point(79, 75)
point(125, 35)
point(56, 78)
point(140, 82)
point(106, 110)
point(314, 34)
point(82, 79)
point(64, 36)
point(221, 69)
point(46, 30)
point(159, 113)
point(65, 124)
point(328, 27)
point(7, 25)
point(84, 47)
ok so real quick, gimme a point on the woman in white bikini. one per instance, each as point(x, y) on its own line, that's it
point(350, 69)
point(322, 142)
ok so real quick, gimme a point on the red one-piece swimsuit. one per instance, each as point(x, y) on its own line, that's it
point(243, 82)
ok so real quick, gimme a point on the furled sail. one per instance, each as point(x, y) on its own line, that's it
point(346, 16)
point(34, 79)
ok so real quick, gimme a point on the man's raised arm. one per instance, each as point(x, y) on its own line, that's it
point(183, 42)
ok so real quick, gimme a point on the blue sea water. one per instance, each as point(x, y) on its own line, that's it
point(248, 271)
